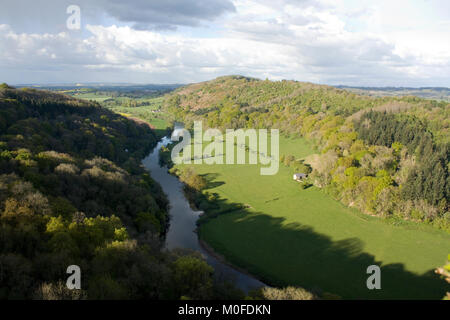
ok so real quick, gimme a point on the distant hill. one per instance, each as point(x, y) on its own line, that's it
point(121, 87)
point(436, 93)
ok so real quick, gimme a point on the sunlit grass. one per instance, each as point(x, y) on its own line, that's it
point(299, 237)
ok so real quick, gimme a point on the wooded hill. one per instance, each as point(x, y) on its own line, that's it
point(72, 191)
point(386, 156)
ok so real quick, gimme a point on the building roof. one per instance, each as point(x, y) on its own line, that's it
point(301, 175)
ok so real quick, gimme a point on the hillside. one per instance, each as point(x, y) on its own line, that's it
point(73, 192)
point(385, 156)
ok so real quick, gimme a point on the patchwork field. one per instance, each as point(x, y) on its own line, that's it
point(150, 112)
point(290, 236)
point(146, 113)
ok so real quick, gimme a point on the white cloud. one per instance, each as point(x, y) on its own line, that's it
point(51, 15)
point(319, 41)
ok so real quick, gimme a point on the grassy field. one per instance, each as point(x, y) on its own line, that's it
point(289, 236)
point(150, 113)
point(156, 119)
point(92, 96)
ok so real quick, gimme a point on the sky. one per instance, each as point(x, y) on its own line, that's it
point(403, 43)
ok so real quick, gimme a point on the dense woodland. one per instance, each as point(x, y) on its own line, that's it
point(386, 156)
point(72, 191)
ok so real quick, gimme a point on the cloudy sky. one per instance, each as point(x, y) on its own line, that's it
point(349, 42)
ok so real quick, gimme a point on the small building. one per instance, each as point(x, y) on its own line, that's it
point(299, 176)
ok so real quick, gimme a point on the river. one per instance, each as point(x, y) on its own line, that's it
point(181, 233)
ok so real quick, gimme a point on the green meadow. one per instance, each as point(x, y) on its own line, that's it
point(92, 96)
point(290, 236)
point(157, 119)
point(150, 113)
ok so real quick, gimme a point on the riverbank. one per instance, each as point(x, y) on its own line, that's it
point(223, 260)
point(183, 223)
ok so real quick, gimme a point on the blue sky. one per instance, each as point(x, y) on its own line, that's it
point(349, 42)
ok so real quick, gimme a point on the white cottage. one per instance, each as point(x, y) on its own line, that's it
point(299, 176)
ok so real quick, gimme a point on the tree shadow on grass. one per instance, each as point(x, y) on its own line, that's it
point(210, 179)
point(283, 254)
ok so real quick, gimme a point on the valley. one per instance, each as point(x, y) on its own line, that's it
point(293, 236)
point(306, 234)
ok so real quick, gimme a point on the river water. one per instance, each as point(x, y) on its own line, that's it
point(181, 233)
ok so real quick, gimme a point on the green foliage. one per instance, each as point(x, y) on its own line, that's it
point(4, 86)
point(147, 221)
point(385, 129)
point(444, 271)
point(428, 179)
point(72, 191)
point(288, 293)
point(192, 179)
point(192, 277)
point(165, 158)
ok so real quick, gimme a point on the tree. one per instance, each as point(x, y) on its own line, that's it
point(288, 293)
point(445, 273)
point(192, 277)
